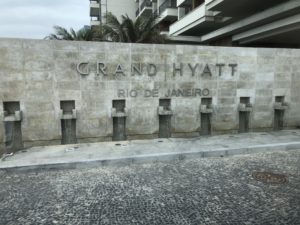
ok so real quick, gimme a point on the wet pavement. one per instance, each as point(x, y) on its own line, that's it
point(196, 191)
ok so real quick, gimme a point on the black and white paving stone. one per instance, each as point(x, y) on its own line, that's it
point(188, 192)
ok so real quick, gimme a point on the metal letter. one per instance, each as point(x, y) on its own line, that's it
point(152, 70)
point(101, 68)
point(180, 92)
point(233, 68)
point(193, 69)
point(174, 93)
point(206, 70)
point(137, 70)
point(119, 70)
point(177, 69)
point(155, 93)
point(205, 92)
point(188, 93)
point(198, 92)
point(121, 93)
point(168, 94)
point(147, 93)
point(133, 93)
point(220, 65)
point(79, 65)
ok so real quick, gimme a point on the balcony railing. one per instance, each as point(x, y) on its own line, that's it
point(167, 4)
point(188, 19)
point(146, 3)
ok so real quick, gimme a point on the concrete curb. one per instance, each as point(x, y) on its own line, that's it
point(146, 158)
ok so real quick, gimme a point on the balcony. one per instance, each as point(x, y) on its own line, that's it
point(168, 11)
point(145, 8)
point(181, 2)
point(146, 3)
point(256, 21)
point(95, 23)
point(241, 8)
point(167, 4)
point(94, 8)
point(195, 22)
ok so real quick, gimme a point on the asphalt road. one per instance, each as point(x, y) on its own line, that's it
point(198, 191)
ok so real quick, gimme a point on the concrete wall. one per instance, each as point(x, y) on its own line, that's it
point(41, 73)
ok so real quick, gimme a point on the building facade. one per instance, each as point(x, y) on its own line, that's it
point(273, 23)
point(99, 9)
point(64, 92)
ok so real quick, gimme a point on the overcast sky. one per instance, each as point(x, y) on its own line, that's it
point(36, 18)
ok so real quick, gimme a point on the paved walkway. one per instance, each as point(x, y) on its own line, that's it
point(199, 191)
point(151, 150)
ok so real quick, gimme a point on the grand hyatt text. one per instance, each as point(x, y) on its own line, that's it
point(150, 69)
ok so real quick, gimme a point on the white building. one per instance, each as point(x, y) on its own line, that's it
point(238, 22)
point(217, 22)
point(228, 22)
point(99, 8)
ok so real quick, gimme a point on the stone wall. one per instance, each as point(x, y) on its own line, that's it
point(39, 74)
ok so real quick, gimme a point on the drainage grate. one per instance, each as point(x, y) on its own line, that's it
point(269, 177)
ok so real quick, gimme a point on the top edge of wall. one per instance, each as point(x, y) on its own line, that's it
point(140, 44)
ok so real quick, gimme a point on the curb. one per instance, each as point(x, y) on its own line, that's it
point(163, 157)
